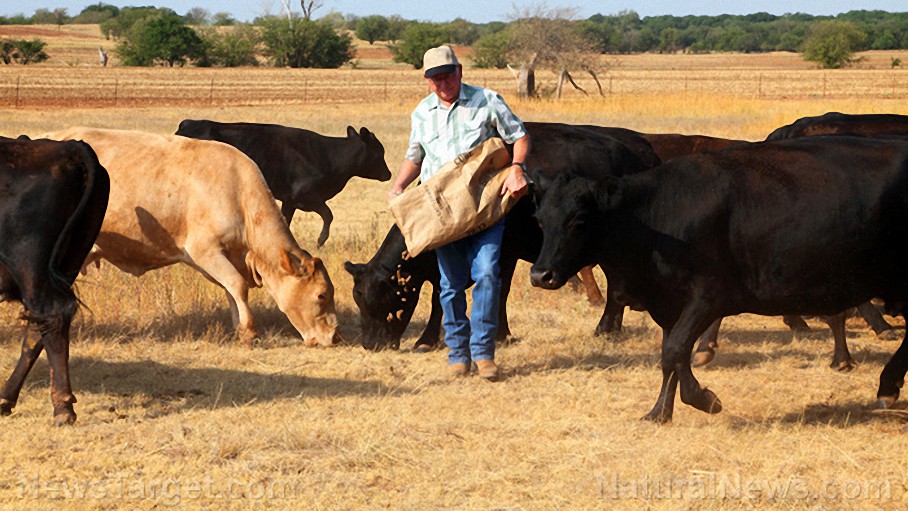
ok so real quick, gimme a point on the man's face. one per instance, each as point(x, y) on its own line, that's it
point(446, 85)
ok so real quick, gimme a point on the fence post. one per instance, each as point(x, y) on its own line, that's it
point(117, 91)
point(17, 91)
point(211, 93)
point(824, 84)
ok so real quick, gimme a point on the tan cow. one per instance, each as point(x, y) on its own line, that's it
point(180, 200)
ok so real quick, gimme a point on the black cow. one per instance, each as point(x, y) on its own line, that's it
point(386, 289)
point(302, 168)
point(835, 123)
point(770, 228)
point(53, 203)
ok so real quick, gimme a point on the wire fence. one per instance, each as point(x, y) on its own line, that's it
point(124, 87)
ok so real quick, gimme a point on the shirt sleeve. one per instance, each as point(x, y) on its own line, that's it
point(510, 127)
point(415, 151)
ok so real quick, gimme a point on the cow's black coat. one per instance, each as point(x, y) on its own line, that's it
point(53, 196)
point(807, 226)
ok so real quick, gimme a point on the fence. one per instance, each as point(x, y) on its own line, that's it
point(122, 87)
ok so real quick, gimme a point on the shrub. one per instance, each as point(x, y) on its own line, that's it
point(832, 43)
point(302, 43)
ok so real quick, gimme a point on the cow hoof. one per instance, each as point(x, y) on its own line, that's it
point(701, 358)
point(657, 417)
point(66, 418)
point(889, 335)
point(423, 348)
point(845, 366)
point(884, 402)
point(6, 408)
point(707, 402)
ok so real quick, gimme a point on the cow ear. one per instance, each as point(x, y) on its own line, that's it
point(351, 132)
point(539, 182)
point(608, 193)
point(291, 263)
point(353, 268)
point(365, 133)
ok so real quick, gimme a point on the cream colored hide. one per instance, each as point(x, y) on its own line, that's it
point(205, 204)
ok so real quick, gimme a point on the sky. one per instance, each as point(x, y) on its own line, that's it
point(477, 11)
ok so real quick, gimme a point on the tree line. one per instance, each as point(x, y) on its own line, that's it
point(149, 35)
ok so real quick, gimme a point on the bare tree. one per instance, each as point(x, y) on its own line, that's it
point(549, 39)
point(309, 7)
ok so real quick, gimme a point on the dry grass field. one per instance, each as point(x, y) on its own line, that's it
point(175, 413)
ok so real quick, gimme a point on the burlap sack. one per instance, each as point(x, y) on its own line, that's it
point(463, 198)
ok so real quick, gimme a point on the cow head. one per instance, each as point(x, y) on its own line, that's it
point(386, 299)
point(371, 161)
point(303, 291)
point(569, 212)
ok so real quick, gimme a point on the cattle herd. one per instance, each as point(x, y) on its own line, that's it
point(811, 221)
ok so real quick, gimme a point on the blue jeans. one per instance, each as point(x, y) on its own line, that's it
point(476, 257)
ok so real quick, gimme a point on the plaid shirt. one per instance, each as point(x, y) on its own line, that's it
point(439, 134)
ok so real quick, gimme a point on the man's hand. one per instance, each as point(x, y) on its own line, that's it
point(516, 183)
point(394, 192)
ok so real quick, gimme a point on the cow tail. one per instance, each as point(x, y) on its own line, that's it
point(81, 229)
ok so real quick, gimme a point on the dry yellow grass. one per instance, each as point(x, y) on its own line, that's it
point(174, 412)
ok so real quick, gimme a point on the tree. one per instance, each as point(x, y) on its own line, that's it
point(197, 16)
point(235, 48)
point(832, 43)
point(8, 51)
point(223, 19)
point(396, 26)
point(302, 43)
point(30, 52)
point(119, 25)
point(415, 40)
point(162, 39)
point(548, 38)
point(372, 28)
point(494, 50)
point(96, 14)
point(309, 7)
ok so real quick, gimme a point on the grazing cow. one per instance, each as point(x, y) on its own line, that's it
point(205, 204)
point(835, 123)
point(54, 198)
point(302, 168)
point(787, 227)
point(386, 289)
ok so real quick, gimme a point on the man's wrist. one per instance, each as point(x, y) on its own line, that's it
point(522, 165)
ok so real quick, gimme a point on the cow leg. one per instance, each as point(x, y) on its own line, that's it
point(841, 358)
point(27, 357)
point(893, 376)
point(796, 323)
point(506, 267)
point(665, 403)
point(593, 294)
point(55, 333)
point(709, 342)
point(432, 333)
point(880, 327)
point(216, 267)
point(612, 315)
point(677, 346)
point(327, 218)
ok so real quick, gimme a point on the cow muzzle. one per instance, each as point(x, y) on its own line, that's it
point(545, 278)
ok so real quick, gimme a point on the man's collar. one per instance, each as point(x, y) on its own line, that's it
point(434, 102)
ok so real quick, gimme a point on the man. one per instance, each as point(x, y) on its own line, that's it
point(452, 120)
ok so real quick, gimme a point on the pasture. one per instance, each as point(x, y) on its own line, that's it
point(175, 412)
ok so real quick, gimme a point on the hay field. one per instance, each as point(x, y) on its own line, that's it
point(175, 413)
